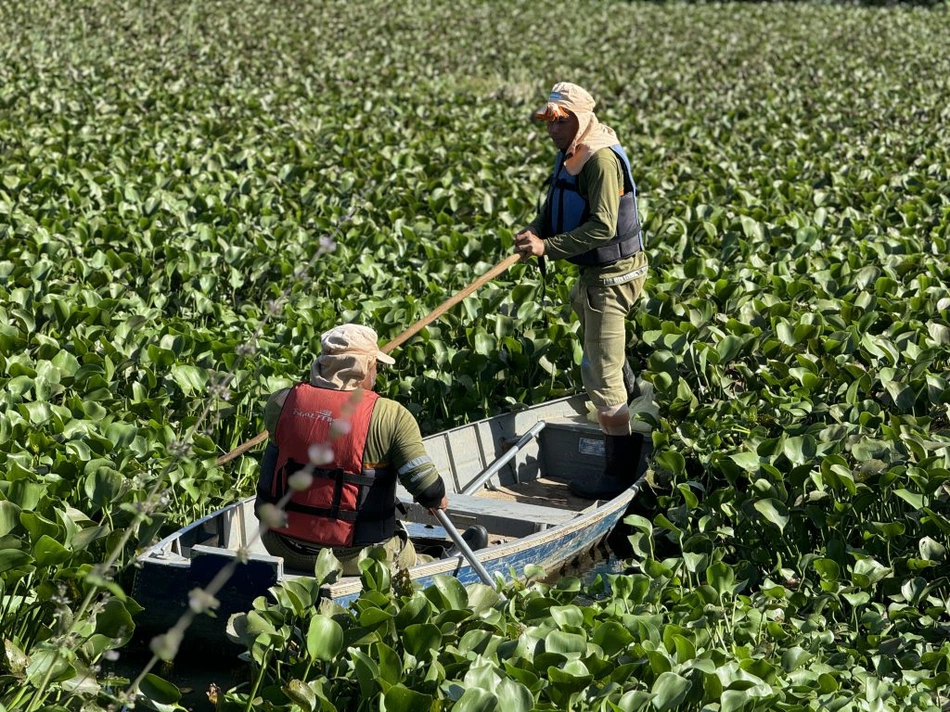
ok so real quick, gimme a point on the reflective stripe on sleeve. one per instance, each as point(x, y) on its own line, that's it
point(413, 464)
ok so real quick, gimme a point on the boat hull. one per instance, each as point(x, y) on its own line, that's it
point(547, 533)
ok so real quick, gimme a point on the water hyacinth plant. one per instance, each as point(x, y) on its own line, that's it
point(169, 172)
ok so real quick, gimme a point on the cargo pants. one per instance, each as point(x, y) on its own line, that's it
point(602, 310)
point(399, 550)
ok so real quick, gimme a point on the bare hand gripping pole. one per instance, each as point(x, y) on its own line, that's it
point(401, 339)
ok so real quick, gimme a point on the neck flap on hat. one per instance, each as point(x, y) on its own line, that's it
point(591, 137)
point(343, 372)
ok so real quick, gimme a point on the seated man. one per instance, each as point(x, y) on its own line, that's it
point(360, 443)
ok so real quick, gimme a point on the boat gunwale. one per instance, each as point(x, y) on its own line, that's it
point(488, 555)
point(163, 552)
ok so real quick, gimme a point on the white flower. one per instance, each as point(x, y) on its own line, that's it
point(200, 601)
point(272, 516)
point(300, 480)
point(320, 454)
point(166, 646)
point(339, 428)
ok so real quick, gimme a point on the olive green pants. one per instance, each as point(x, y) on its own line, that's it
point(399, 550)
point(602, 311)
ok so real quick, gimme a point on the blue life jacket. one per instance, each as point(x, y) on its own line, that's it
point(566, 209)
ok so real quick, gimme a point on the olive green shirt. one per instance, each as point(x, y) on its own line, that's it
point(600, 183)
point(393, 441)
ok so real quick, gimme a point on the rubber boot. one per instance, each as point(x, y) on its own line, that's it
point(475, 536)
point(622, 460)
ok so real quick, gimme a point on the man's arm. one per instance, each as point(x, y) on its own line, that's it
point(272, 411)
point(601, 182)
point(394, 428)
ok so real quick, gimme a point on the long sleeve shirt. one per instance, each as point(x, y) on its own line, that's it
point(600, 182)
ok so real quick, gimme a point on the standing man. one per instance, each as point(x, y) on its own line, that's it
point(360, 443)
point(590, 218)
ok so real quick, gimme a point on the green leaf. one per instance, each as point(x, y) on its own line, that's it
point(9, 517)
point(13, 559)
point(932, 550)
point(49, 552)
point(50, 664)
point(67, 364)
point(121, 434)
point(901, 394)
point(158, 690)
point(794, 657)
point(569, 644)
point(103, 485)
point(800, 450)
point(38, 413)
point(191, 379)
point(828, 569)
point(399, 698)
point(612, 637)
point(422, 640)
point(328, 568)
point(16, 660)
point(722, 578)
point(115, 621)
point(367, 673)
point(514, 697)
point(669, 690)
point(567, 616)
point(728, 348)
point(733, 700)
point(913, 499)
point(671, 461)
point(390, 664)
point(301, 694)
point(453, 591)
point(775, 512)
point(476, 700)
point(324, 638)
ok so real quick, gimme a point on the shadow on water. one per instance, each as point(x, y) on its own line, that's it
point(615, 554)
point(198, 677)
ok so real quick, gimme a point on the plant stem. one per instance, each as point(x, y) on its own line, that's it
point(257, 682)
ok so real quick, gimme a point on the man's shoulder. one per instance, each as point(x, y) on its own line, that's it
point(388, 408)
point(392, 420)
point(278, 396)
point(604, 158)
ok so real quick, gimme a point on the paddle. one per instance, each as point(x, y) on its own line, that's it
point(464, 548)
point(399, 340)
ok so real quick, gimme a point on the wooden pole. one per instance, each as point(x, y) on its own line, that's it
point(401, 339)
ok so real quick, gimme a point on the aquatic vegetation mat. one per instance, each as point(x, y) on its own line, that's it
point(191, 193)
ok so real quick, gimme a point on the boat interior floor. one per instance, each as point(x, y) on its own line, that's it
point(542, 491)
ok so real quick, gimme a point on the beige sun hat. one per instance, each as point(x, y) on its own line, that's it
point(591, 135)
point(565, 95)
point(353, 339)
point(347, 352)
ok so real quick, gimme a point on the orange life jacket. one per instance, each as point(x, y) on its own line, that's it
point(348, 504)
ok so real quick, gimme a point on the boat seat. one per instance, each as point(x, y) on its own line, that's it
point(501, 517)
